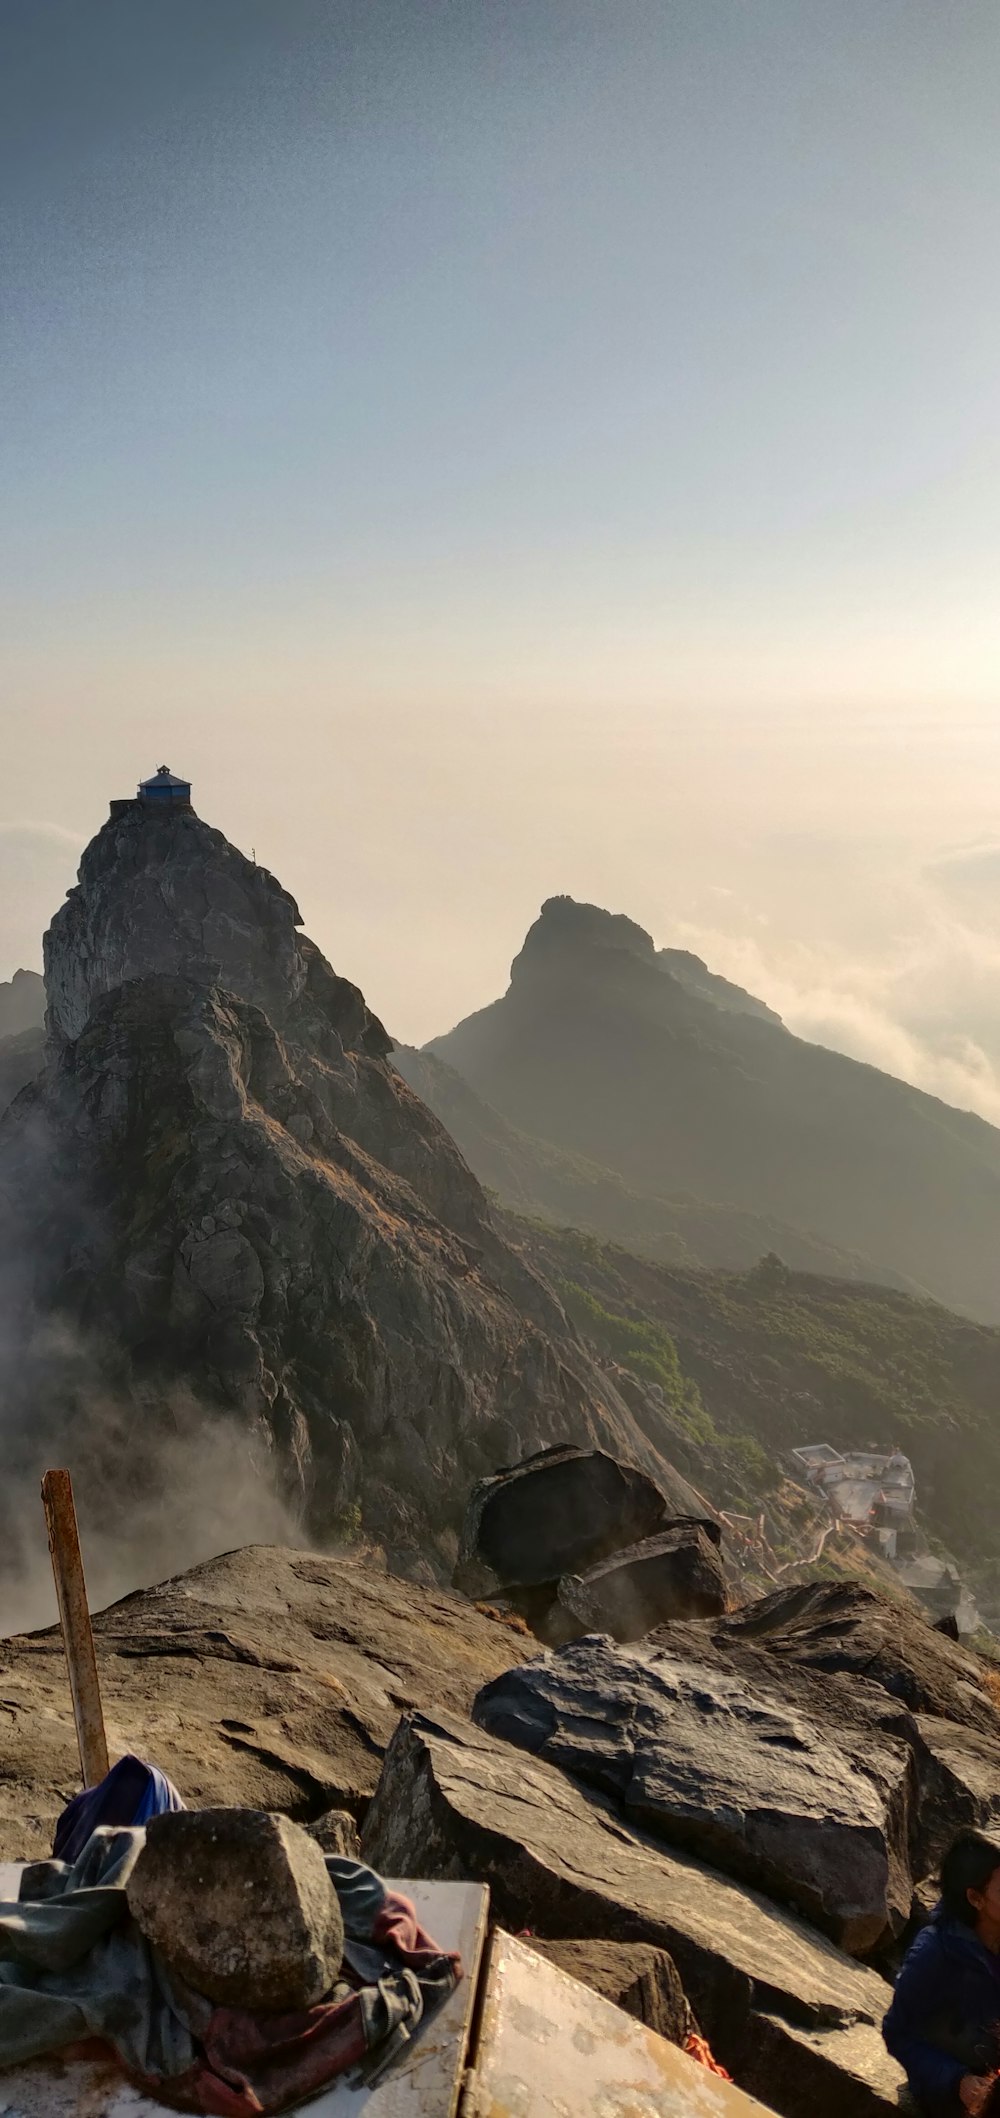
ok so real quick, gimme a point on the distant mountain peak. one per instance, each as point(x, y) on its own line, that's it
point(572, 933)
point(568, 928)
point(22, 1004)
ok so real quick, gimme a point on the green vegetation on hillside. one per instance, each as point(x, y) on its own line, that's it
point(735, 1464)
point(781, 1358)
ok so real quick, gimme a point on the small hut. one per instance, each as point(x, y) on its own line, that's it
point(165, 790)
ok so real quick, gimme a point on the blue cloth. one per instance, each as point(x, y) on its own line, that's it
point(129, 1794)
point(945, 2015)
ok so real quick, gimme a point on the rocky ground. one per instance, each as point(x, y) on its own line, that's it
point(268, 1677)
point(761, 1794)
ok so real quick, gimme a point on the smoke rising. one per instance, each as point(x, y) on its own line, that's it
point(158, 1487)
point(161, 1479)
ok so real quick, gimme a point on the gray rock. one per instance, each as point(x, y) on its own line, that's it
point(238, 1902)
point(791, 2017)
point(840, 1627)
point(557, 1512)
point(634, 1975)
point(709, 1761)
point(677, 1574)
point(958, 1787)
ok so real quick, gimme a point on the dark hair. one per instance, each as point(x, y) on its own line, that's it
point(968, 1864)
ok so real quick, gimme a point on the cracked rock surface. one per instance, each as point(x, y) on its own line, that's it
point(269, 1679)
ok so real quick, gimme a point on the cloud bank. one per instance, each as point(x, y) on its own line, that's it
point(906, 975)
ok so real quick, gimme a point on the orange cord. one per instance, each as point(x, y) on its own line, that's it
point(700, 2049)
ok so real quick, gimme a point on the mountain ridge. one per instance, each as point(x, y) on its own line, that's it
point(600, 1050)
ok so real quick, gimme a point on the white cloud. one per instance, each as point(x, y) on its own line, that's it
point(918, 995)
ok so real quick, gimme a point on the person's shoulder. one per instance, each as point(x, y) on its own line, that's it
point(929, 1945)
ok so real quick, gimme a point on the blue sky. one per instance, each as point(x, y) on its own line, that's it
point(505, 446)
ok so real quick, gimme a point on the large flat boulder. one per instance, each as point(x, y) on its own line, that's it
point(839, 1627)
point(269, 1679)
point(453, 1801)
point(555, 1513)
point(708, 1760)
point(677, 1574)
point(239, 1904)
point(849, 1674)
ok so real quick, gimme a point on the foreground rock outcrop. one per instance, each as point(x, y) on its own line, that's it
point(780, 1743)
point(815, 1815)
point(220, 1193)
point(269, 1679)
point(792, 2018)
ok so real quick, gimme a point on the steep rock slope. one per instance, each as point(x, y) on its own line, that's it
point(269, 1677)
point(599, 1048)
point(534, 1177)
point(219, 1194)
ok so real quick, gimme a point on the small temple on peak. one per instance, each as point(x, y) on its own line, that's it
point(163, 790)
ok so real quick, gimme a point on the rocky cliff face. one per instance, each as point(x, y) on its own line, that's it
point(219, 1202)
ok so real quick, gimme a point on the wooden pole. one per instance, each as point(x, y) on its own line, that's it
point(74, 1618)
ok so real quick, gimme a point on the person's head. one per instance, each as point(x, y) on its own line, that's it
point(970, 1880)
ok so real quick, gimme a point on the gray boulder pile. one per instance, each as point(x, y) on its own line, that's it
point(823, 1745)
point(794, 2019)
point(576, 1542)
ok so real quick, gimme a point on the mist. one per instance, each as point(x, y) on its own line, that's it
point(158, 1489)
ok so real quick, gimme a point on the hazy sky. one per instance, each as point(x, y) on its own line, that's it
point(499, 447)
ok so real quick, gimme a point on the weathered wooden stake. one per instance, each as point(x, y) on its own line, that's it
point(74, 1617)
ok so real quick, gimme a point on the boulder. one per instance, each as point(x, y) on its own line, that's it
point(838, 1626)
point(636, 1976)
point(555, 1513)
point(240, 1905)
point(792, 2018)
point(678, 1574)
point(814, 1813)
point(850, 1672)
point(957, 1788)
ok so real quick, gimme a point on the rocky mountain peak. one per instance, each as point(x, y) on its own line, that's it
point(22, 1003)
point(162, 892)
point(575, 932)
point(226, 1206)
